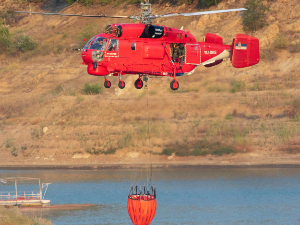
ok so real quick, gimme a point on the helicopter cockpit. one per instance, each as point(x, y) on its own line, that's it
point(98, 45)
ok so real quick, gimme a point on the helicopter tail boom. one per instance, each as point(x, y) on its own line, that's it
point(244, 51)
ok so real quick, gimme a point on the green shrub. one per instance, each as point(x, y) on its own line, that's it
point(167, 151)
point(70, 2)
point(9, 16)
point(109, 151)
point(237, 86)
point(224, 150)
point(188, 2)
point(33, 1)
point(207, 3)
point(202, 147)
point(255, 17)
point(83, 2)
point(180, 149)
point(24, 43)
point(132, 2)
point(24, 147)
point(9, 142)
point(280, 42)
point(197, 152)
point(14, 152)
point(86, 2)
point(5, 38)
point(104, 2)
point(229, 116)
point(35, 133)
point(92, 89)
point(93, 151)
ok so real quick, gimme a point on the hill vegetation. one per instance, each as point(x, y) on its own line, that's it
point(51, 111)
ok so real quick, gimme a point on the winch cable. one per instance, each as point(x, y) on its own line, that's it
point(149, 137)
point(149, 172)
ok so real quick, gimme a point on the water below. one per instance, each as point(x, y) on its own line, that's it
point(190, 196)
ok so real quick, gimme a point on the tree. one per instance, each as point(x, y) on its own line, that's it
point(5, 40)
point(255, 17)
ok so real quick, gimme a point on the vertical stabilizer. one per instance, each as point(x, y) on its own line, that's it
point(244, 51)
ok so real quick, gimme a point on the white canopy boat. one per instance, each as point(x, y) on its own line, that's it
point(23, 198)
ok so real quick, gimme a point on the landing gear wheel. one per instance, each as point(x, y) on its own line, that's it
point(174, 85)
point(107, 84)
point(121, 84)
point(138, 83)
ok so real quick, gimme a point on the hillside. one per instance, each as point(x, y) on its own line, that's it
point(252, 114)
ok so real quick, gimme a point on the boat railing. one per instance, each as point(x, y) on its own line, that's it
point(21, 195)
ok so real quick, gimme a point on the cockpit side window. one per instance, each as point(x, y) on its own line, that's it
point(113, 45)
point(99, 44)
point(133, 46)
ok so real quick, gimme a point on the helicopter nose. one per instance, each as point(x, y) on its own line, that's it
point(87, 56)
point(98, 71)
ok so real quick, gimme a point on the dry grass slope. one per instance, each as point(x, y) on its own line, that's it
point(46, 117)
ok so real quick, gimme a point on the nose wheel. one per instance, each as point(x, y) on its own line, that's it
point(138, 83)
point(107, 84)
point(174, 85)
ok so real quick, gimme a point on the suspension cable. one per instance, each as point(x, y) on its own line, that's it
point(149, 138)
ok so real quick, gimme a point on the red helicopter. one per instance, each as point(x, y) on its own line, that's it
point(144, 49)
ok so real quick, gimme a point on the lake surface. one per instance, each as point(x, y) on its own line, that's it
point(189, 196)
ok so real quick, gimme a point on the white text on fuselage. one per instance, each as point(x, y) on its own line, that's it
point(111, 54)
point(210, 52)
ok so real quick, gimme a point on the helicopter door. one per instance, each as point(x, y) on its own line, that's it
point(113, 49)
point(193, 54)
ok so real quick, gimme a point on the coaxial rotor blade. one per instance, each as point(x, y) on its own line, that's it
point(200, 13)
point(58, 14)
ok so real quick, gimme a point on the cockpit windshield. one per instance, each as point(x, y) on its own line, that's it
point(88, 43)
point(99, 43)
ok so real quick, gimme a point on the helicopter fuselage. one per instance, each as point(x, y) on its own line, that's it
point(161, 51)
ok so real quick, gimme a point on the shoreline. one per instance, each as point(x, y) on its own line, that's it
point(120, 162)
point(135, 166)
